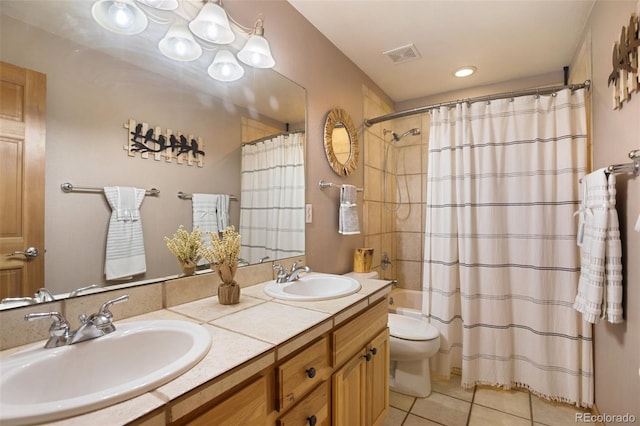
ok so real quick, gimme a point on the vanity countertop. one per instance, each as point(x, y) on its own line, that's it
point(246, 338)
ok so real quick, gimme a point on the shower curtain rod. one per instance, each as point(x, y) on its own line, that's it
point(266, 138)
point(419, 110)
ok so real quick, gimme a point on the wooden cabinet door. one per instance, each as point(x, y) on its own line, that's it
point(349, 393)
point(246, 407)
point(22, 150)
point(377, 384)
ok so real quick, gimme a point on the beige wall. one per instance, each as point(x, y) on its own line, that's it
point(615, 133)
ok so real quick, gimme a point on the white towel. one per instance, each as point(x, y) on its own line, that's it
point(222, 208)
point(125, 244)
point(600, 285)
point(210, 214)
point(348, 220)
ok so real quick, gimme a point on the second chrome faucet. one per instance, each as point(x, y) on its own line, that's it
point(284, 276)
point(95, 325)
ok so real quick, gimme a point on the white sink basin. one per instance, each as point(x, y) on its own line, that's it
point(40, 385)
point(313, 286)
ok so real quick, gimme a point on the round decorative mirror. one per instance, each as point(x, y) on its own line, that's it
point(341, 142)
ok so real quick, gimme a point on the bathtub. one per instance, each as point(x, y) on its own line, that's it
point(405, 302)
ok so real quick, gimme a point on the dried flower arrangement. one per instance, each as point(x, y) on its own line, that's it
point(223, 256)
point(186, 247)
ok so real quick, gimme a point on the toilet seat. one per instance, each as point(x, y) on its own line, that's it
point(408, 328)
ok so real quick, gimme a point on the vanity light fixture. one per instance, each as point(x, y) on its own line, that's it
point(212, 24)
point(119, 16)
point(257, 52)
point(179, 44)
point(225, 67)
point(465, 71)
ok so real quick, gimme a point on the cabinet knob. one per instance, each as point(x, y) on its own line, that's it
point(312, 420)
point(311, 373)
point(373, 351)
point(367, 356)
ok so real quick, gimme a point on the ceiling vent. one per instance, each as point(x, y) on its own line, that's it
point(403, 54)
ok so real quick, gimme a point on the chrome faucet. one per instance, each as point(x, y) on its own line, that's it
point(95, 325)
point(284, 276)
point(41, 296)
point(77, 291)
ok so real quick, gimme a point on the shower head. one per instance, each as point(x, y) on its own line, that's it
point(414, 132)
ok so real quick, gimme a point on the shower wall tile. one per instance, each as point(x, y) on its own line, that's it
point(409, 246)
point(411, 188)
point(372, 187)
point(373, 217)
point(409, 274)
point(409, 218)
point(410, 161)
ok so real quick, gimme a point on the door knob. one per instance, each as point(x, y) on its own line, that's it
point(29, 253)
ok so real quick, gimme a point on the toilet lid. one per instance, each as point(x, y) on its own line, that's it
point(410, 328)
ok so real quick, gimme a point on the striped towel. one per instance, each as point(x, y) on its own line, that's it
point(348, 220)
point(600, 285)
point(125, 244)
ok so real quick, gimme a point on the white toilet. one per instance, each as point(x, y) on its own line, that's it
point(412, 342)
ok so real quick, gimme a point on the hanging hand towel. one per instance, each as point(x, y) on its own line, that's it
point(348, 220)
point(125, 245)
point(205, 216)
point(600, 285)
point(222, 207)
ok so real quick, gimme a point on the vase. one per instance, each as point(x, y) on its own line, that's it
point(188, 268)
point(229, 293)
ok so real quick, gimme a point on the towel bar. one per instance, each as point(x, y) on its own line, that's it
point(185, 196)
point(324, 185)
point(68, 187)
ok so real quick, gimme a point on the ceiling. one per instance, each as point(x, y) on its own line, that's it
point(505, 40)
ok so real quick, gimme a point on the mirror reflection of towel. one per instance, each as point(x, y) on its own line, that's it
point(210, 214)
point(348, 220)
point(124, 255)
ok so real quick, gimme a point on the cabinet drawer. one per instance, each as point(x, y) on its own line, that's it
point(352, 336)
point(312, 410)
point(302, 372)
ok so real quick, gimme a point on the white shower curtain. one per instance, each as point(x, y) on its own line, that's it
point(501, 265)
point(272, 198)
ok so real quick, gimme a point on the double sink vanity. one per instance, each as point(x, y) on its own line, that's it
point(312, 351)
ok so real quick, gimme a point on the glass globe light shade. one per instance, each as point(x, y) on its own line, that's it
point(179, 45)
point(212, 24)
point(225, 67)
point(119, 16)
point(257, 53)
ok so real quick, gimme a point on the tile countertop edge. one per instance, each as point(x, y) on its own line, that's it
point(371, 292)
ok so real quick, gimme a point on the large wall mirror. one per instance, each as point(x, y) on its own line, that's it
point(96, 82)
point(341, 142)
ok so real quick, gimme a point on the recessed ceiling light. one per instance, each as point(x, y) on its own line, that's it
point(465, 71)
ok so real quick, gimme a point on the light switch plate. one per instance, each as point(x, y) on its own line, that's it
point(308, 213)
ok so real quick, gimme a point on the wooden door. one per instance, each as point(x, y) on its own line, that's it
point(378, 379)
point(22, 156)
point(349, 393)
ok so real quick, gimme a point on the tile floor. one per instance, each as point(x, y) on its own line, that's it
point(451, 405)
